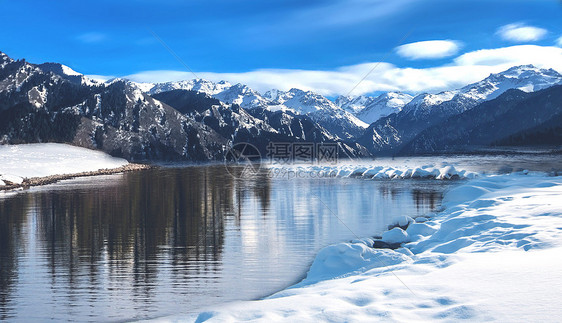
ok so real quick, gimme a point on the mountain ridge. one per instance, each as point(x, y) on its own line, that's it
point(198, 119)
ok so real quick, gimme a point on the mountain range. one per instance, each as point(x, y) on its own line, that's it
point(198, 120)
point(390, 134)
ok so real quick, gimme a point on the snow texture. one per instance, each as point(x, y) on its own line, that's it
point(374, 172)
point(490, 256)
point(38, 160)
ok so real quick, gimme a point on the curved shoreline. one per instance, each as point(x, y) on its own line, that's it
point(45, 180)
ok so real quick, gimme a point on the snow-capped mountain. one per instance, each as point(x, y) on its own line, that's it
point(5, 60)
point(318, 108)
point(198, 85)
point(259, 126)
point(67, 73)
point(515, 118)
point(50, 102)
point(353, 104)
point(527, 78)
point(238, 94)
point(39, 105)
point(384, 105)
point(370, 109)
point(321, 110)
point(388, 134)
point(197, 119)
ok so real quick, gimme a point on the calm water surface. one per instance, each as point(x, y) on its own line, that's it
point(173, 240)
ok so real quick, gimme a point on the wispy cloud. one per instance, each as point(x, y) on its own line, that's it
point(559, 41)
point(464, 69)
point(91, 37)
point(519, 32)
point(430, 49)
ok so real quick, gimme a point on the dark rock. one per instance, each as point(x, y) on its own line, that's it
point(379, 244)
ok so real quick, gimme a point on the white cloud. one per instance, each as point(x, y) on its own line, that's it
point(91, 37)
point(99, 78)
point(429, 49)
point(559, 41)
point(519, 32)
point(467, 68)
point(514, 55)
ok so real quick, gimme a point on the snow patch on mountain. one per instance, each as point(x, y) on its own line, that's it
point(384, 105)
point(318, 108)
point(353, 104)
point(5, 60)
point(68, 71)
point(527, 78)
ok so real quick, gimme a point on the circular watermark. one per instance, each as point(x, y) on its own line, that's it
point(243, 160)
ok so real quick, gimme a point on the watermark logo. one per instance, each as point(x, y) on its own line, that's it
point(243, 160)
point(290, 153)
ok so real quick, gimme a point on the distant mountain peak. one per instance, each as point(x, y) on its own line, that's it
point(67, 73)
point(528, 70)
point(5, 60)
point(527, 78)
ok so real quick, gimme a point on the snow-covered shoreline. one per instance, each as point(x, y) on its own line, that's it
point(492, 253)
point(40, 164)
point(365, 171)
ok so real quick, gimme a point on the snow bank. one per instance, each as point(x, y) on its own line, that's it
point(38, 160)
point(492, 255)
point(372, 172)
point(346, 258)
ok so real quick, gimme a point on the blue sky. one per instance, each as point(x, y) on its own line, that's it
point(229, 39)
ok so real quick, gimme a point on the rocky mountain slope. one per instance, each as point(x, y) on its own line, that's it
point(388, 135)
point(333, 118)
point(513, 118)
point(371, 109)
point(259, 126)
point(37, 105)
point(199, 119)
point(51, 103)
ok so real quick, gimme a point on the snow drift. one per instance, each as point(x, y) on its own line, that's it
point(492, 253)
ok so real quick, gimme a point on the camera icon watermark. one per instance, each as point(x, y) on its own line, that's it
point(243, 160)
